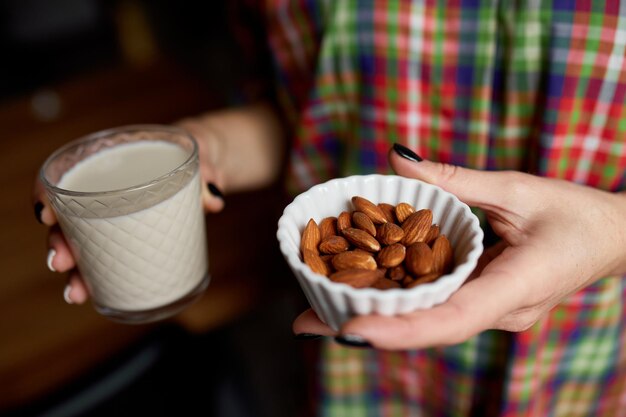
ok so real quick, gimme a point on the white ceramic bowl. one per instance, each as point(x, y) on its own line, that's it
point(335, 303)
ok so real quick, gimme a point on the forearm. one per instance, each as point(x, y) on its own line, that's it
point(244, 145)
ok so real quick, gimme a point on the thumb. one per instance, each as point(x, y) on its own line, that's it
point(475, 188)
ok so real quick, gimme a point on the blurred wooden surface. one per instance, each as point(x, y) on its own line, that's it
point(44, 343)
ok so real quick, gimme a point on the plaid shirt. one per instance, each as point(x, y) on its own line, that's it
point(537, 86)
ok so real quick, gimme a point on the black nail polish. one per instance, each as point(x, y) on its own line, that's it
point(352, 340)
point(38, 209)
point(307, 336)
point(406, 153)
point(215, 191)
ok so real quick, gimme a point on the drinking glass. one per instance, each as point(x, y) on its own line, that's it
point(141, 246)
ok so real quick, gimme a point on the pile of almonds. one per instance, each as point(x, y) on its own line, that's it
point(379, 246)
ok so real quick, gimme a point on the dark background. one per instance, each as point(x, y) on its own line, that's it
point(44, 42)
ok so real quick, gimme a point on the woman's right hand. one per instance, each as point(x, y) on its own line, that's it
point(60, 258)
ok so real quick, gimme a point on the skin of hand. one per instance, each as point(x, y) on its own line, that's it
point(557, 238)
point(227, 140)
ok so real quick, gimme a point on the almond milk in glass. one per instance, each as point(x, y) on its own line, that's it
point(128, 202)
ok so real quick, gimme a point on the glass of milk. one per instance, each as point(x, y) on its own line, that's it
point(128, 202)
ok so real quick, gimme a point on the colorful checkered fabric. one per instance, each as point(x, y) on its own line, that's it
point(537, 86)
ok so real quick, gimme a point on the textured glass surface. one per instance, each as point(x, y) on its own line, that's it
point(140, 248)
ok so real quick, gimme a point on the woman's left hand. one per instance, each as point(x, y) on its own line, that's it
point(557, 238)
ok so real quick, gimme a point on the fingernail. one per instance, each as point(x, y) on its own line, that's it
point(406, 153)
point(352, 340)
point(214, 190)
point(51, 254)
point(307, 336)
point(38, 209)
point(66, 294)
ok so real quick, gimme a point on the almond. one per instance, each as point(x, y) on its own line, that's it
point(423, 280)
point(385, 284)
point(361, 221)
point(314, 262)
point(396, 273)
point(389, 233)
point(310, 237)
point(328, 227)
point(433, 233)
point(443, 257)
point(354, 260)
point(407, 281)
point(403, 210)
point(388, 211)
point(344, 221)
point(334, 244)
point(417, 226)
point(392, 255)
point(361, 239)
point(370, 209)
point(328, 260)
point(419, 259)
point(357, 278)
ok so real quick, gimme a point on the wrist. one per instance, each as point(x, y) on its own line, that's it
point(211, 147)
point(244, 147)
